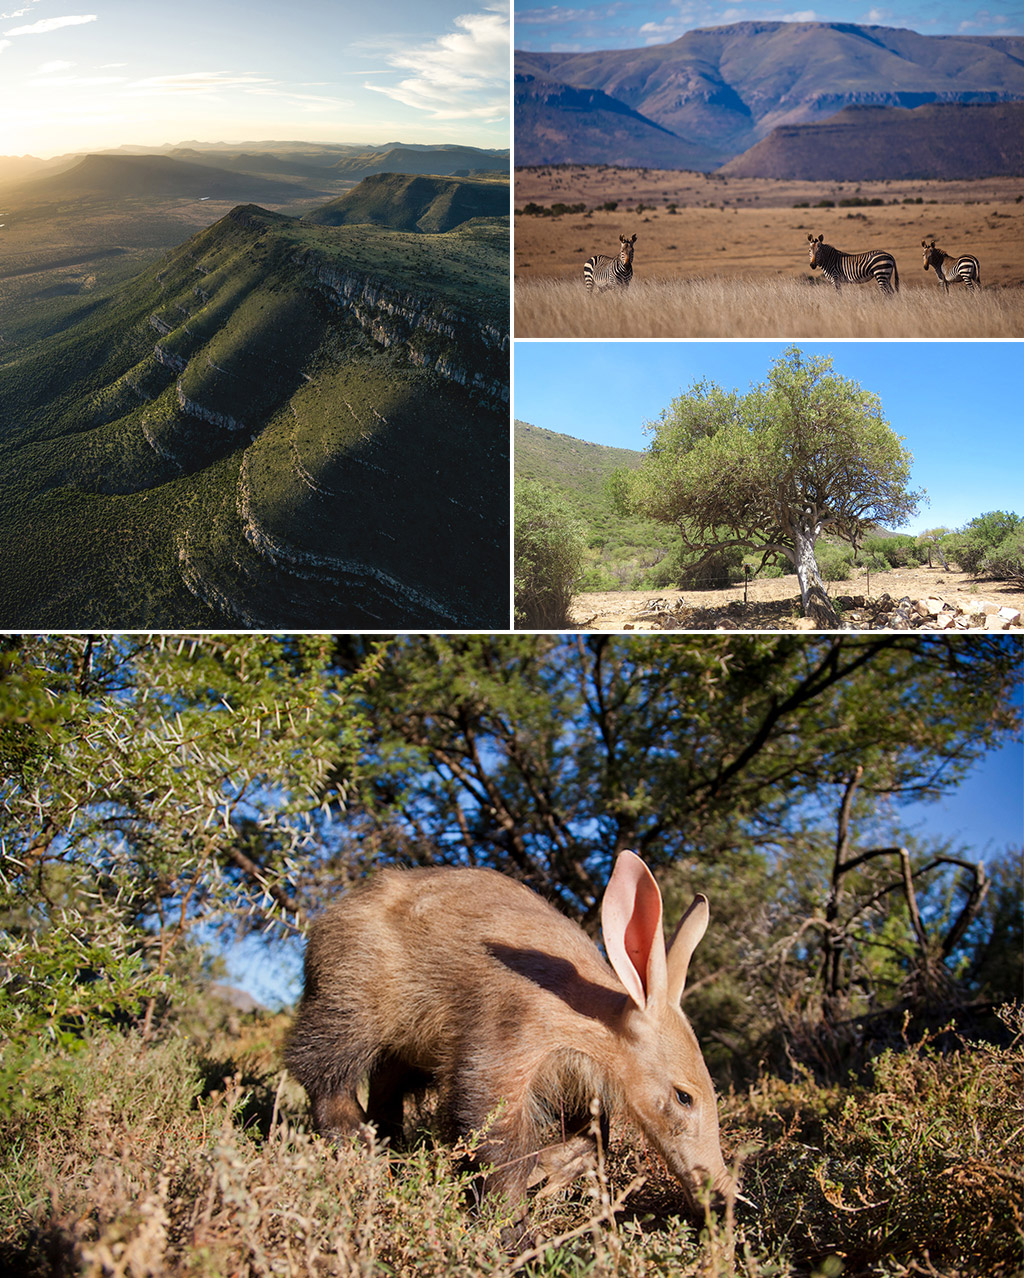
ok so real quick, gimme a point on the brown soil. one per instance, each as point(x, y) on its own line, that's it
point(774, 603)
point(748, 227)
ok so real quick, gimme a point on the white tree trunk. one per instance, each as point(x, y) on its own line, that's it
point(813, 599)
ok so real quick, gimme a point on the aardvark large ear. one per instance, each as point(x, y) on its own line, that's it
point(685, 939)
point(631, 925)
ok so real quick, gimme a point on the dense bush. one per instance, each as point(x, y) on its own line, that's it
point(719, 571)
point(191, 1157)
point(1007, 559)
point(549, 547)
point(835, 563)
point(991, 544)
point(897, 551)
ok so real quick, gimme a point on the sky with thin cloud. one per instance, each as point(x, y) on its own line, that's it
point(634, 24)
point(111, 72)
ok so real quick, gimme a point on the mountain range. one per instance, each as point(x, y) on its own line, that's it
point(326, 163)
point(952, 141)
point(715, 92)
point(416, 203)
point(279, 425)
point(154, 177)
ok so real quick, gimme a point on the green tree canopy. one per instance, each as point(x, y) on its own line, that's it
point(544, 756)
point(148, 785)
point(803, 453)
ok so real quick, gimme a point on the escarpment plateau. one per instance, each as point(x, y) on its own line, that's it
point(284, 424)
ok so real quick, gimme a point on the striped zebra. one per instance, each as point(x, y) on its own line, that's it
point(949, 268)
point(604, 271)
point(854, 268)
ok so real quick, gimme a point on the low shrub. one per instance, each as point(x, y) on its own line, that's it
point(174, 1159)
point(549, 549)
point(835, 563)
point(897, 551)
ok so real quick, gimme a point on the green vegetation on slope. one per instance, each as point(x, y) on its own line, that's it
point(125, 441)
point(623, 552)
point(416, 203)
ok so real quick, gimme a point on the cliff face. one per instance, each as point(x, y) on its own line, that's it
point(433, 335)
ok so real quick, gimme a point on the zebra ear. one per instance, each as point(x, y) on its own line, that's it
point(633, 240)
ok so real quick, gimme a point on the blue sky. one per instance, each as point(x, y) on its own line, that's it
point(98, 74)
point(956, 404)
point(632, 24)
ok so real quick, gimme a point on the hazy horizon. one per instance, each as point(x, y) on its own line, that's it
point(232, 143)
point(636, 24)
point(123, 74)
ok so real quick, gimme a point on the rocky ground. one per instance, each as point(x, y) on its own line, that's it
point(865, 603)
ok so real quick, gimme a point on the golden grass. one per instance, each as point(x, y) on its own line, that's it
point(777, 308)
point(129, 1159)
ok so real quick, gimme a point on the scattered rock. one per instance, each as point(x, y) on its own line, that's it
point(931, 613)
point(857, 613)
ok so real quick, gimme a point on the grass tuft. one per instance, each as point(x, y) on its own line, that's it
point(751, 308)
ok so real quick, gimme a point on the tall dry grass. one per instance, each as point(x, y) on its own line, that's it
point(762, 308)
point(180, 1159)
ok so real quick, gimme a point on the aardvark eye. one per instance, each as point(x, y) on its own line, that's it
point(684, 1098)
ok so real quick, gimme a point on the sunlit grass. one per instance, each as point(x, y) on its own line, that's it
point(753, 308)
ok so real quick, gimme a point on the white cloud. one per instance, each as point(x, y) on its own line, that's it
point(4, 44)
point(50, 68)
point(656, 32)
point(78, 81)
point(460, 75)
point(197, 82)
point(307, 102)
point(51, 24)
point(557, 14)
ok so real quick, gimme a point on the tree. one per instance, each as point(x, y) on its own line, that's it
point(549, 546)
point(149, 786)
point(804, 453)
point(544, 756)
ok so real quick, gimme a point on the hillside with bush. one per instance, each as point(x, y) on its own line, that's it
point(279, 425)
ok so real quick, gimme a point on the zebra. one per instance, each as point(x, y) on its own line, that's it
point(603, 271)
point(947, 268)
point(854, 268)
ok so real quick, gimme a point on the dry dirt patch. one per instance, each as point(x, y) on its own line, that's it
point(748, 227)
point(774, 603)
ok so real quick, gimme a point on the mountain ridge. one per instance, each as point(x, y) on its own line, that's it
point(415, 202)
point(151, 176)
point(722, 89)
point(278, 425)
point(946, 141)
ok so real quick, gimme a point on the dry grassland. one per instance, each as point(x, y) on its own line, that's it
point(748, 308)
point(745, 232)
